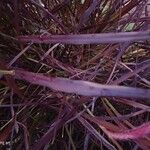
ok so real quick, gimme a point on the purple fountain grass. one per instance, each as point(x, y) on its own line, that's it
point(74, 74)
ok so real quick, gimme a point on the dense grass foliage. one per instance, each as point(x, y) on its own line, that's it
point(75, 74)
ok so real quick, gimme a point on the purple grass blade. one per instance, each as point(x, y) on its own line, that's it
point(48, 136)
point(51, 15)
point(92, 130)
point(88, 38)
point(130, 74)
point(19, 55)
point(80, 87)
point(85, 17)
point(138, 132)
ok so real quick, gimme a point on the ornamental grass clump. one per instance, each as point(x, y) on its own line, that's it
point(75, 74)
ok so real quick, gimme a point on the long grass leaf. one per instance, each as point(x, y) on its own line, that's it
point(81, 87)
